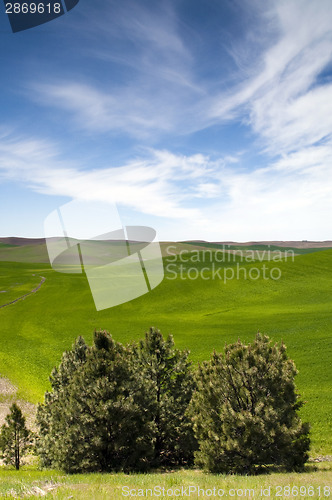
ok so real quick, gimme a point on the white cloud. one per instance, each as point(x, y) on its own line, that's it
point(150, 185)
point(289, 199)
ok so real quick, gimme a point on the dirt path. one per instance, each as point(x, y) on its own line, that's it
point(27, 294)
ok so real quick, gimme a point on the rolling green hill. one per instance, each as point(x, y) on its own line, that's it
point(26, 253)
point(202, 314)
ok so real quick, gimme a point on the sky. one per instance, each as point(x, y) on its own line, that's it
point(207, 120)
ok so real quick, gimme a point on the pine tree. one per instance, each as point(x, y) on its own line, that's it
point(109, 411)
point(50, 414)
point(245, 410)
point(99, 420)
point(172, 384)
point(115, 407)
point(15, 438)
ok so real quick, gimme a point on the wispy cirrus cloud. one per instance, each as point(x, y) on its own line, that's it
point(287, 103)
point(123, 110)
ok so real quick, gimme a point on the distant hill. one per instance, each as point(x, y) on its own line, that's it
point(27, 250)
point(277, 243)
point(21, 242)
point(34, 250)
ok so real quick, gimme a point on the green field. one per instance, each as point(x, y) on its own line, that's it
point(14, 285)
point(27, 253)
point(201, 313)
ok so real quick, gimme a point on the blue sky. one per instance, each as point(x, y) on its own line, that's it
point(203, 119)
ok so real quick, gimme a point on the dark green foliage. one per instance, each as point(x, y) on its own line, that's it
point(15, 438)
point(126, 408)
point(50, 415)
point(99, 419)
point(107, 415)
point(168, 369)
point(118, 408)
point(245, 410)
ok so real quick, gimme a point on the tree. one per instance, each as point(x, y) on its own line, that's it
point(172, 385)
point(15, 438)
point(50, 414)
point(99, 419)
point(245, 410)
point(115, 407)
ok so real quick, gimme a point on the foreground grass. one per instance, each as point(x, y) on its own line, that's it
point(315, 482)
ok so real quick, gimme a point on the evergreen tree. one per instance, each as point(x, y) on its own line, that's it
point(100, 421)
point(15, 438)
point(50, 415)
point(118, 408)
point(245, 410)
point(168, 369)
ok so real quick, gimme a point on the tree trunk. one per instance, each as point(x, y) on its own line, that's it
point(17, 450)
point(158, 445)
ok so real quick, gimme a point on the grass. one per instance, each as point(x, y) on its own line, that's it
point(16, 281)
point(105, 486)
point(202, 314)
point(26, 253)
